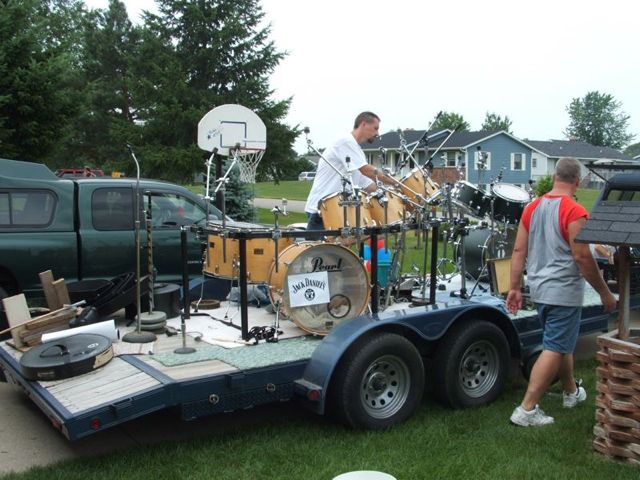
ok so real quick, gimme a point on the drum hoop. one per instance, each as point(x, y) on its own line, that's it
point(498, 186)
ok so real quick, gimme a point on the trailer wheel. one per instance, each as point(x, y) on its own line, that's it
point(379, 383)
point(471, 365)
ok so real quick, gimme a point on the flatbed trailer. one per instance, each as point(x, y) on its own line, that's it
point(369, 372)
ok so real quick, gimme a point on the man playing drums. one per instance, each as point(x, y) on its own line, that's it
point(327, 181)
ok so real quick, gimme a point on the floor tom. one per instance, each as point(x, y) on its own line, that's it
point(223, 257)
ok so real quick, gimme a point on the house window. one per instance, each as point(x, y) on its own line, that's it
point(482, 160)
point(450, 159)
point(534, 162)
point(517, 161)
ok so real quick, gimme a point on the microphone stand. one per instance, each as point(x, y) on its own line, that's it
point(138, 336)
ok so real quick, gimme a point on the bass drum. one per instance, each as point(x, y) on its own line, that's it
point(480, 245)
point(348, 285)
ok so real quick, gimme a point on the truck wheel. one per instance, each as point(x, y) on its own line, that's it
point(378, 384)
point(471, 364)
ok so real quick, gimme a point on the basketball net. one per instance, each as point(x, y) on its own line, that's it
point(248, 160)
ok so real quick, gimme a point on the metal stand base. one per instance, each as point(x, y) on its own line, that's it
point(152, 317)
point(139, 337)
point(184, 350)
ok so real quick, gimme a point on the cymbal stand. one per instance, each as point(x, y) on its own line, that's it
point(461, 225)
point(397, 258)
point(276, 234)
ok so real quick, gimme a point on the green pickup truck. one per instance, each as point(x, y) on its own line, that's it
point(84, 228)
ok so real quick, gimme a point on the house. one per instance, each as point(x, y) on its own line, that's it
point(550, 151)
point(485, 156)
point(477, 157)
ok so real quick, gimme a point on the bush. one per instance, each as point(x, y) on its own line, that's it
point(544, 185)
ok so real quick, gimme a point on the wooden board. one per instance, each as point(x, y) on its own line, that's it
point(61, 292)
point(46, 280)
point(17, 312)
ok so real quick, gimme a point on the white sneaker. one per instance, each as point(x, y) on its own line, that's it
point(533, 418)
point(570, 400)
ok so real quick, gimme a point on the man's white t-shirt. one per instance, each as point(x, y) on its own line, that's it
point(327, 181)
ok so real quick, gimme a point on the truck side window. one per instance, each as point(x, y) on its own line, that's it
point(171, 210)
point(112, 209)
point(28, 208)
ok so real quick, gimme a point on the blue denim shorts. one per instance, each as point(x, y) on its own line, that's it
point(560, 327)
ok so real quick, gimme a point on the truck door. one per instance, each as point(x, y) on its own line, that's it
point(106, 231)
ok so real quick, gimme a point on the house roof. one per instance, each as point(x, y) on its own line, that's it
point(457, 141)
point(576, 148)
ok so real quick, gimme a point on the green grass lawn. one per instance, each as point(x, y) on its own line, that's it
point(285, 442)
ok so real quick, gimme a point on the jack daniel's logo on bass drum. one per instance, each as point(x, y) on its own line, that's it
point(318, 265)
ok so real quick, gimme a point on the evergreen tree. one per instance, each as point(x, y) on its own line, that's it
point(213, 53)
point(451, 120)
point(107, 122)
point(494, 122)
point(596, 118)
point(38, 82)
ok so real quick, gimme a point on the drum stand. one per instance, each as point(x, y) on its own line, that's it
point(461, 225)
point(275, 235)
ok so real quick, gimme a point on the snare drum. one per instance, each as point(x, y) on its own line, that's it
point(332, 212)
point(509, 202)
point(470, 199)
point(260, 255)
point(395, 209)
point(346, 288)
point(417, 183)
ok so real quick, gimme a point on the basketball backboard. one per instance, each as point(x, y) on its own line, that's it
point(229, 125)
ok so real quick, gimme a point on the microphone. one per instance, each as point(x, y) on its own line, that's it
point(438, 115)
point(306, 130)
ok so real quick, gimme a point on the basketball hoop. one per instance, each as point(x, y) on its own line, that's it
point(248, 160)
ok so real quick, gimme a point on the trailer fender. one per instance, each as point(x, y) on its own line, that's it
point(422, 325)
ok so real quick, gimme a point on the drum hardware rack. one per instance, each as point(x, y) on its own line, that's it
point(243, 235)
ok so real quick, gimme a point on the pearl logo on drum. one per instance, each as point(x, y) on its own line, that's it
point(317, 265)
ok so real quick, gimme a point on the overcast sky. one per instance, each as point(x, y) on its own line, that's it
point(407, 60)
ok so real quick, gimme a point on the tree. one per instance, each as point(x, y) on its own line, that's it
point(450, 120)
point(38, 81)
point(106, 123)
point(199, 55)
point(494, 122)
point(596, 118)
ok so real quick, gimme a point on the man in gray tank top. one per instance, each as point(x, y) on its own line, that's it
point(556, 269)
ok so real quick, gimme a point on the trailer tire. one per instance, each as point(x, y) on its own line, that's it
point(471, 365)
point(378, 383)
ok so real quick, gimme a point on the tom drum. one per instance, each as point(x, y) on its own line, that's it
point(332, 212)
point(508, 202)
point(470, 199)
point(386, 208)
point(417, 183)
point(319, 285)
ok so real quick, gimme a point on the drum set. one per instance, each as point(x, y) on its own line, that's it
point(318, 278)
